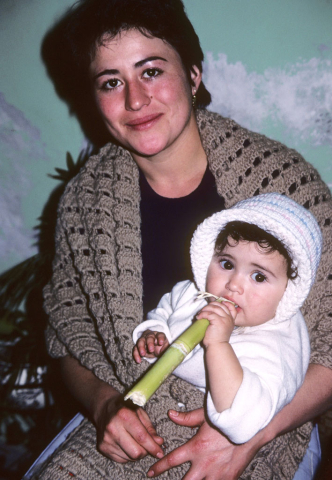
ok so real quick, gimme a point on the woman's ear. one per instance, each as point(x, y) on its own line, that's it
point(196, 78)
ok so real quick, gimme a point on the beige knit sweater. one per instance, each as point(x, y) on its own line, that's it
point(94, 300)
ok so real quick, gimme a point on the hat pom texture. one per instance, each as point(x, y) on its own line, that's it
point(283, 218)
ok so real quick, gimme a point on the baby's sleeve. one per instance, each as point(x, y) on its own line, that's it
point(173, 313)
point(274, 363)
point(156, 320)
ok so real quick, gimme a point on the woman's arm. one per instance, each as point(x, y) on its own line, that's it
point(213, 457)
point(123, 434)
point(311, 400)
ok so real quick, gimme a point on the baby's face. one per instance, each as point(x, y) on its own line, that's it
point(249, 277)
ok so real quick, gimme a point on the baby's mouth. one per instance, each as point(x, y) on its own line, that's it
point(218, 299)
point(230, 300)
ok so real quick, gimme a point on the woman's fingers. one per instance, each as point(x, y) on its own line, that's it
point(211, 455)
point(193, 418)
point(129, 435)
point(144, 436)
point(178, 456)
point(171, 460)
point(122, 447)
point(144, 418)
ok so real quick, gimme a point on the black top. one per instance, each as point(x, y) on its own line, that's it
point(167, 227)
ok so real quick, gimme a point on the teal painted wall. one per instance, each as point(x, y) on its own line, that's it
point(268, 65)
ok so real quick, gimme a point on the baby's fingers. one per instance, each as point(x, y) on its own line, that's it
point(215, 308)
point(161, 338)
point(142, 346)
point(150, 341)
point(231, 308)
point(136, 355)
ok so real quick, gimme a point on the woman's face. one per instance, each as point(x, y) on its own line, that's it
point(143, 93)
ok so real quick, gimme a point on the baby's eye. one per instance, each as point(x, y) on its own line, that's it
point(151, 72)
point(226, 264)
point(111, 84)
point(258, 277)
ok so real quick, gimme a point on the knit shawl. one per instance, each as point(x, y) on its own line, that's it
point(94, 300)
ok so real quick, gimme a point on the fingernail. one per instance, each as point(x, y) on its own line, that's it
point(150, 473)
point(159, 455)
point(174, 413)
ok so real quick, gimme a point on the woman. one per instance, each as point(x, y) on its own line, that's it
point(168, 166)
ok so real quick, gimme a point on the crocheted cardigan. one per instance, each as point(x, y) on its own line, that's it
point(94, 300)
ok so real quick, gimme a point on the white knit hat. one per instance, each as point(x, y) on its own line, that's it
point(283, 218)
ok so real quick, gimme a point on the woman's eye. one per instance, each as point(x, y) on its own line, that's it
point(226, 264)
point(258, 277)
point(111, 84)
point(151, 72)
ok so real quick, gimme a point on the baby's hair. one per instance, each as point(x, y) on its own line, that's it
point(248, 232)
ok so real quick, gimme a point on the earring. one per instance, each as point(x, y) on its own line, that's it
point(194, 98)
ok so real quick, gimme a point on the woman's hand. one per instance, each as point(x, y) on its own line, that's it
point(211, 455)
point(221, 317)
point(125, 433)
point(150, 345)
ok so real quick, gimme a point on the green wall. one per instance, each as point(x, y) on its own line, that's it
point(269, 67)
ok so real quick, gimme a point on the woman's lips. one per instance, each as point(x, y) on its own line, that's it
point(144, 122)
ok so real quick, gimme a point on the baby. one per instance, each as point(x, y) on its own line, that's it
point(261, 257)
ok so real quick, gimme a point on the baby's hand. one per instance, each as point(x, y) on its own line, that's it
point(150, 345)
point(221, 317)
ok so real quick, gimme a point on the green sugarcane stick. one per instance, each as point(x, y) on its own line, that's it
point(168, 362)
point(170, 359)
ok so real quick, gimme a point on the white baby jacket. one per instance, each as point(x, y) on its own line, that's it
point(274, 358)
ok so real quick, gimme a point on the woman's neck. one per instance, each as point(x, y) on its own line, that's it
point(177, 171)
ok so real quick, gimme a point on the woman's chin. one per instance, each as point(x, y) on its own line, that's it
point(148, 150)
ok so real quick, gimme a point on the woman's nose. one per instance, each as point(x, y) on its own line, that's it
point(235, 284)
point(136, 96)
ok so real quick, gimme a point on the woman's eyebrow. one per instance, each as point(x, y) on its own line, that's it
point(149, 59)
point(114, 71)
point(107, 71)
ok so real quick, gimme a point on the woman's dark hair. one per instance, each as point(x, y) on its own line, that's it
point(248, 232)
point(93, 21)
point(70, 45)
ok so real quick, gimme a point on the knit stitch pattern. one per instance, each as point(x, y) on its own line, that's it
point(94, 300)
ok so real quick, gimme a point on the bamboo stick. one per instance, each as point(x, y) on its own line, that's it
point(168, 362)
point(170, 359)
